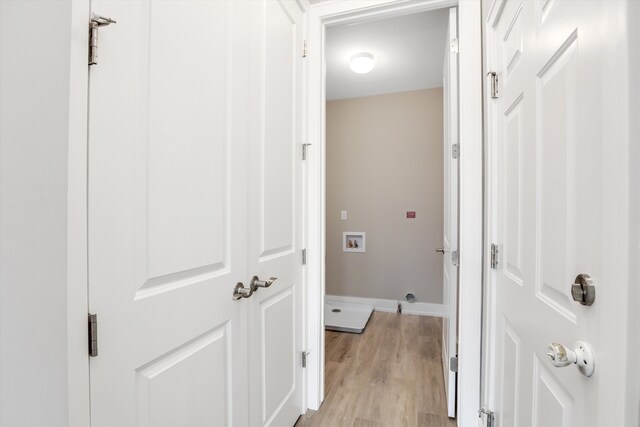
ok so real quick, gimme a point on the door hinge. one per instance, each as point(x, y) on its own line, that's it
point(491, 416)
point(98, 21)
point(93, 335)
point(494, 84)
point(455, 258)
point(454, 46)
point(304, 257)
point(455, 151)
point(305, 49)
point(304, 151)
point(494, 255)
point(305, 356)
point(453, 364)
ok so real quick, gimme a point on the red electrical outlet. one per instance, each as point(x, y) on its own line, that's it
point(411, 214)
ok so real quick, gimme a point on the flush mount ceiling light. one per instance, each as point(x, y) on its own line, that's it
point(362, 63)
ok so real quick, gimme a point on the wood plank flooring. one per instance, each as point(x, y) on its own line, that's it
point(388, 376)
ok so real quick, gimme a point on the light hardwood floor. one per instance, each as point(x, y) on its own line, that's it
point(390, 375)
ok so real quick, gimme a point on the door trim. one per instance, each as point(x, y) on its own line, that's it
point(320, 17)
point(78, 397)
point(491, 225)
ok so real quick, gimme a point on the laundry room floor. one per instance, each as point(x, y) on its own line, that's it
point(390, 375)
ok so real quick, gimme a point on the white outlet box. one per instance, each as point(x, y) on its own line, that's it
point(343, 215)
point(354, 241)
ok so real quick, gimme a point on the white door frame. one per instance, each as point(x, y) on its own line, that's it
point(321, 16)
point(77, 234)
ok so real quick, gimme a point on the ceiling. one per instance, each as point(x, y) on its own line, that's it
point(409, 54)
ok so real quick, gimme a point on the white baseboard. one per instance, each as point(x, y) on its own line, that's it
point(390, 306)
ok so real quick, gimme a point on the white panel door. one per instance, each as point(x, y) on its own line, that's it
point(167, 214)
point(550, 213)
point(450, 238)
point(275, 143)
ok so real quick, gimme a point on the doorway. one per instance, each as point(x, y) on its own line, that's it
point(355, 164)
point(387, 153)
point(322, 19)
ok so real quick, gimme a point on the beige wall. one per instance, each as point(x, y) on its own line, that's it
point(384, 158)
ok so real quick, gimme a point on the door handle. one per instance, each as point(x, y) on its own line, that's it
point(241, 292)
point(441, 250)
point(257, 283)
point(581, 355)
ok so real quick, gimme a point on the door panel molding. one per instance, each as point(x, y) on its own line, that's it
point(202, 357)
point(277, 224)
point(554, 224)
point(548, 390)
point(511, 355)
point(271, 401)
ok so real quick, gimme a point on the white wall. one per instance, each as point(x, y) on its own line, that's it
point(34, 131)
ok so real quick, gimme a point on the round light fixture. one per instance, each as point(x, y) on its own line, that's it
point(362, 63)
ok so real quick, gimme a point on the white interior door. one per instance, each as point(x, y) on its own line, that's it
point(174, 189)
point(167, 220)
point(450, 238)
point(275, 325)
point(551, 212)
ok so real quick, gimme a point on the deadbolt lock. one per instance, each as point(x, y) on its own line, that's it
point(583, 290)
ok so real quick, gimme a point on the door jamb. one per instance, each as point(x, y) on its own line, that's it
point(330, 13)
point(78, 386)
point(490, 209)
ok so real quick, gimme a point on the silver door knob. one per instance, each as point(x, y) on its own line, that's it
point(257, 283)
point(441, 250)
point(581, 355)
point(241, 292)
